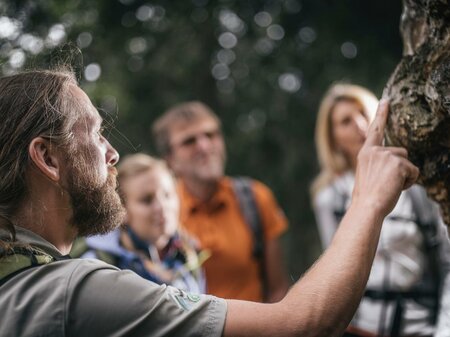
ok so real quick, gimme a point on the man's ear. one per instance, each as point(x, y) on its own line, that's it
point(45, 157)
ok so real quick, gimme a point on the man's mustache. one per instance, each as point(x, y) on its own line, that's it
point(112, 171)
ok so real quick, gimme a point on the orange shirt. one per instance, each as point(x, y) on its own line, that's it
point(232, 271)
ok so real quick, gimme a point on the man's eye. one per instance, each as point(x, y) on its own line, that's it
point(213, 134)
point(189, 141)
point(100, 131)
point(147, 200)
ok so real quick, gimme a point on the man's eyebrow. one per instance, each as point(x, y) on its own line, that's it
point(99, 122)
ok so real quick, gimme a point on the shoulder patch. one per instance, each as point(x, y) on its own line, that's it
point(184, 300)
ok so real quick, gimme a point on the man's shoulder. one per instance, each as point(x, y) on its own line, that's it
point(257, 186)
point(64, 295)
point(87, 264)
point(67, 270)
point(44, 290)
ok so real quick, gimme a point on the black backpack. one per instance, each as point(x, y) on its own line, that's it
point(247, 203)
point(242, 187)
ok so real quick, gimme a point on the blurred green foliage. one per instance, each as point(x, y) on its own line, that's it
point(261, 65)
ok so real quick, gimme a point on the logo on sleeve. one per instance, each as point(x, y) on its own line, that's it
point(184, 300)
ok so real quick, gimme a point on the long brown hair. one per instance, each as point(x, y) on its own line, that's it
point(34, 103)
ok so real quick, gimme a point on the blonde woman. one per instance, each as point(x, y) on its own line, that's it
point(402, 292)
point(150, 242)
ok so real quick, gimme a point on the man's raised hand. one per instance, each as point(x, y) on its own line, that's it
point(382, 172)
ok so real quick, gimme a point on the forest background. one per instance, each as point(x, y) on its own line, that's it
point(263, 66)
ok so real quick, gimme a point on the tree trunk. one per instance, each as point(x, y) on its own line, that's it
point(419, 90)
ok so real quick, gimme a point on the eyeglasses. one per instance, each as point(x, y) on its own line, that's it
point(193, 139)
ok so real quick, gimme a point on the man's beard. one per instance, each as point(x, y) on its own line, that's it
point(96, 207)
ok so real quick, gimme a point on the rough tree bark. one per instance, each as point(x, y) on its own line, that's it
point(419, 90)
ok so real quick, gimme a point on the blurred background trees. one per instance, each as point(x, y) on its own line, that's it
point(261, 65)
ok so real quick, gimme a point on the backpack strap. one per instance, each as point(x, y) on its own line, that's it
point(340, 204)
point(79, 247)
point(428, 221)
point(247, 202)
point(243, 189)
point(20, 259)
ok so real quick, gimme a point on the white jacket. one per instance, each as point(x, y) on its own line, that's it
point(400, 260)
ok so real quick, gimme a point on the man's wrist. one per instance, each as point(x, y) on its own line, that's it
point(370, 211)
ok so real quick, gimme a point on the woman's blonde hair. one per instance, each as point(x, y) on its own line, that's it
point(135, 164)
point(332, 162)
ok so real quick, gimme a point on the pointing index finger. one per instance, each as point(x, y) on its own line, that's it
point(376, 130)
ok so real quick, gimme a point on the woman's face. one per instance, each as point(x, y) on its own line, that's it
point(349, 126)
point(152, 204)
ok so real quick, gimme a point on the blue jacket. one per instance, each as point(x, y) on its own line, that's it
point(185, 277)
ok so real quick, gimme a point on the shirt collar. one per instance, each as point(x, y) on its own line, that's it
point(28, 237)
point(218, 200)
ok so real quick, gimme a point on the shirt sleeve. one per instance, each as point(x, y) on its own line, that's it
point(443, 327)
point(272, 216)
point(104, 301)
point(323, 207)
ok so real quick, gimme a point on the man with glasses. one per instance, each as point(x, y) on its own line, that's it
point(246, 258)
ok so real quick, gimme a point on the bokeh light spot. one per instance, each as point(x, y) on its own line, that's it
point(92, 72)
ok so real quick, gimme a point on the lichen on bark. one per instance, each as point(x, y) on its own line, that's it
point(419, 93)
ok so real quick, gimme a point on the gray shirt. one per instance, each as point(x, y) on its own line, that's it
point(77, 297)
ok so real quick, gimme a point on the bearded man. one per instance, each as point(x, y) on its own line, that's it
point(57, 181)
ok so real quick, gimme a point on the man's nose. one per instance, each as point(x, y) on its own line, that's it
point(203, 143)
point(112, 156)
